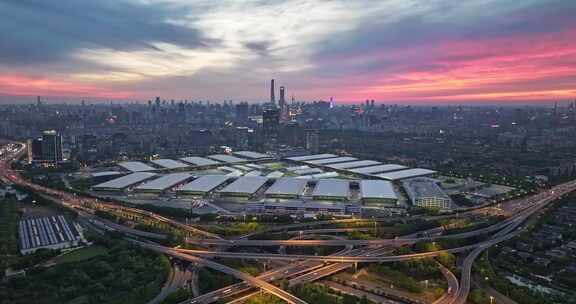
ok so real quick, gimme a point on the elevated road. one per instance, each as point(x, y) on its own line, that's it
point(225, 269)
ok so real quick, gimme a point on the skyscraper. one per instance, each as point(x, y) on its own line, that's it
point(52, 146)
point(270, 128)
point(272, 97)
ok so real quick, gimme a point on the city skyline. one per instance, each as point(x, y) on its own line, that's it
point(393, 52)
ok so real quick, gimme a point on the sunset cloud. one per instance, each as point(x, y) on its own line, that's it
point(392, 51)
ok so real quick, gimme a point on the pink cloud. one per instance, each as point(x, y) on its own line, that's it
point(11, 84)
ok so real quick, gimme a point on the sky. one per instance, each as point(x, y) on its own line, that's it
point(392, 51)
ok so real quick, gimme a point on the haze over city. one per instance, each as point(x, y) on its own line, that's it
point(425, 52)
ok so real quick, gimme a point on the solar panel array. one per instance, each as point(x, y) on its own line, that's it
point(45, 231)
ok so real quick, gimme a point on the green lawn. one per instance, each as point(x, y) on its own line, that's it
point(82, 254)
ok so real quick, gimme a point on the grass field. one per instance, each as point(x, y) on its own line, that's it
point(82, 254)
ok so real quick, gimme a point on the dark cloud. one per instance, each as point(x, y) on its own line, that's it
point(261, 48)
point(34, 31)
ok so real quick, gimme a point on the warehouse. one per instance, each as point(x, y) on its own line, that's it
point(136, 166)
point(199, 161)
point(124, 181)
point(310, 157)
point(403, 174)
point(203, 185)
point(227, 158)
point(331, 189)
point(251, 155)
point(169, 164)
point(244, 186)
point(287, 188)
point(327, 161)
point(52, 232)
point(354, 164)
point(377, 193)
point(163, 183)
point(378, 169)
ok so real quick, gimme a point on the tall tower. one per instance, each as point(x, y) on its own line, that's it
point(282, 105)
point(272, 97)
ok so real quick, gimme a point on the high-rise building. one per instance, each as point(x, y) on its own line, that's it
point(283, 106)
point(270, 128)
point(242, 112)
point(272, 97)
point(34, 150)
point(312, 143)
point(51, 147)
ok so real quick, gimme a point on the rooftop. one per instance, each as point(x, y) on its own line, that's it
point(126, 181)
point(245, 185)
point(135, 166)
point(45, 231)
point(403, 174)
point(169, 163)
point(334, 160)
point(378, 169)
point(227, 158)
point(422, 188)
point(377, 189)
point(332, 188)
point(251, 154)
point(311, 157)
point(205, 183)
point(287, 186)
point(199, 161)
point(354, 164)
point(165, 182)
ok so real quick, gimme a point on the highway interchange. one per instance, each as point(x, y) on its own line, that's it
point(306, 268)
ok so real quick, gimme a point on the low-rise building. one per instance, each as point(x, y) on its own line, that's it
point(426, 193)
point(51, 232)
